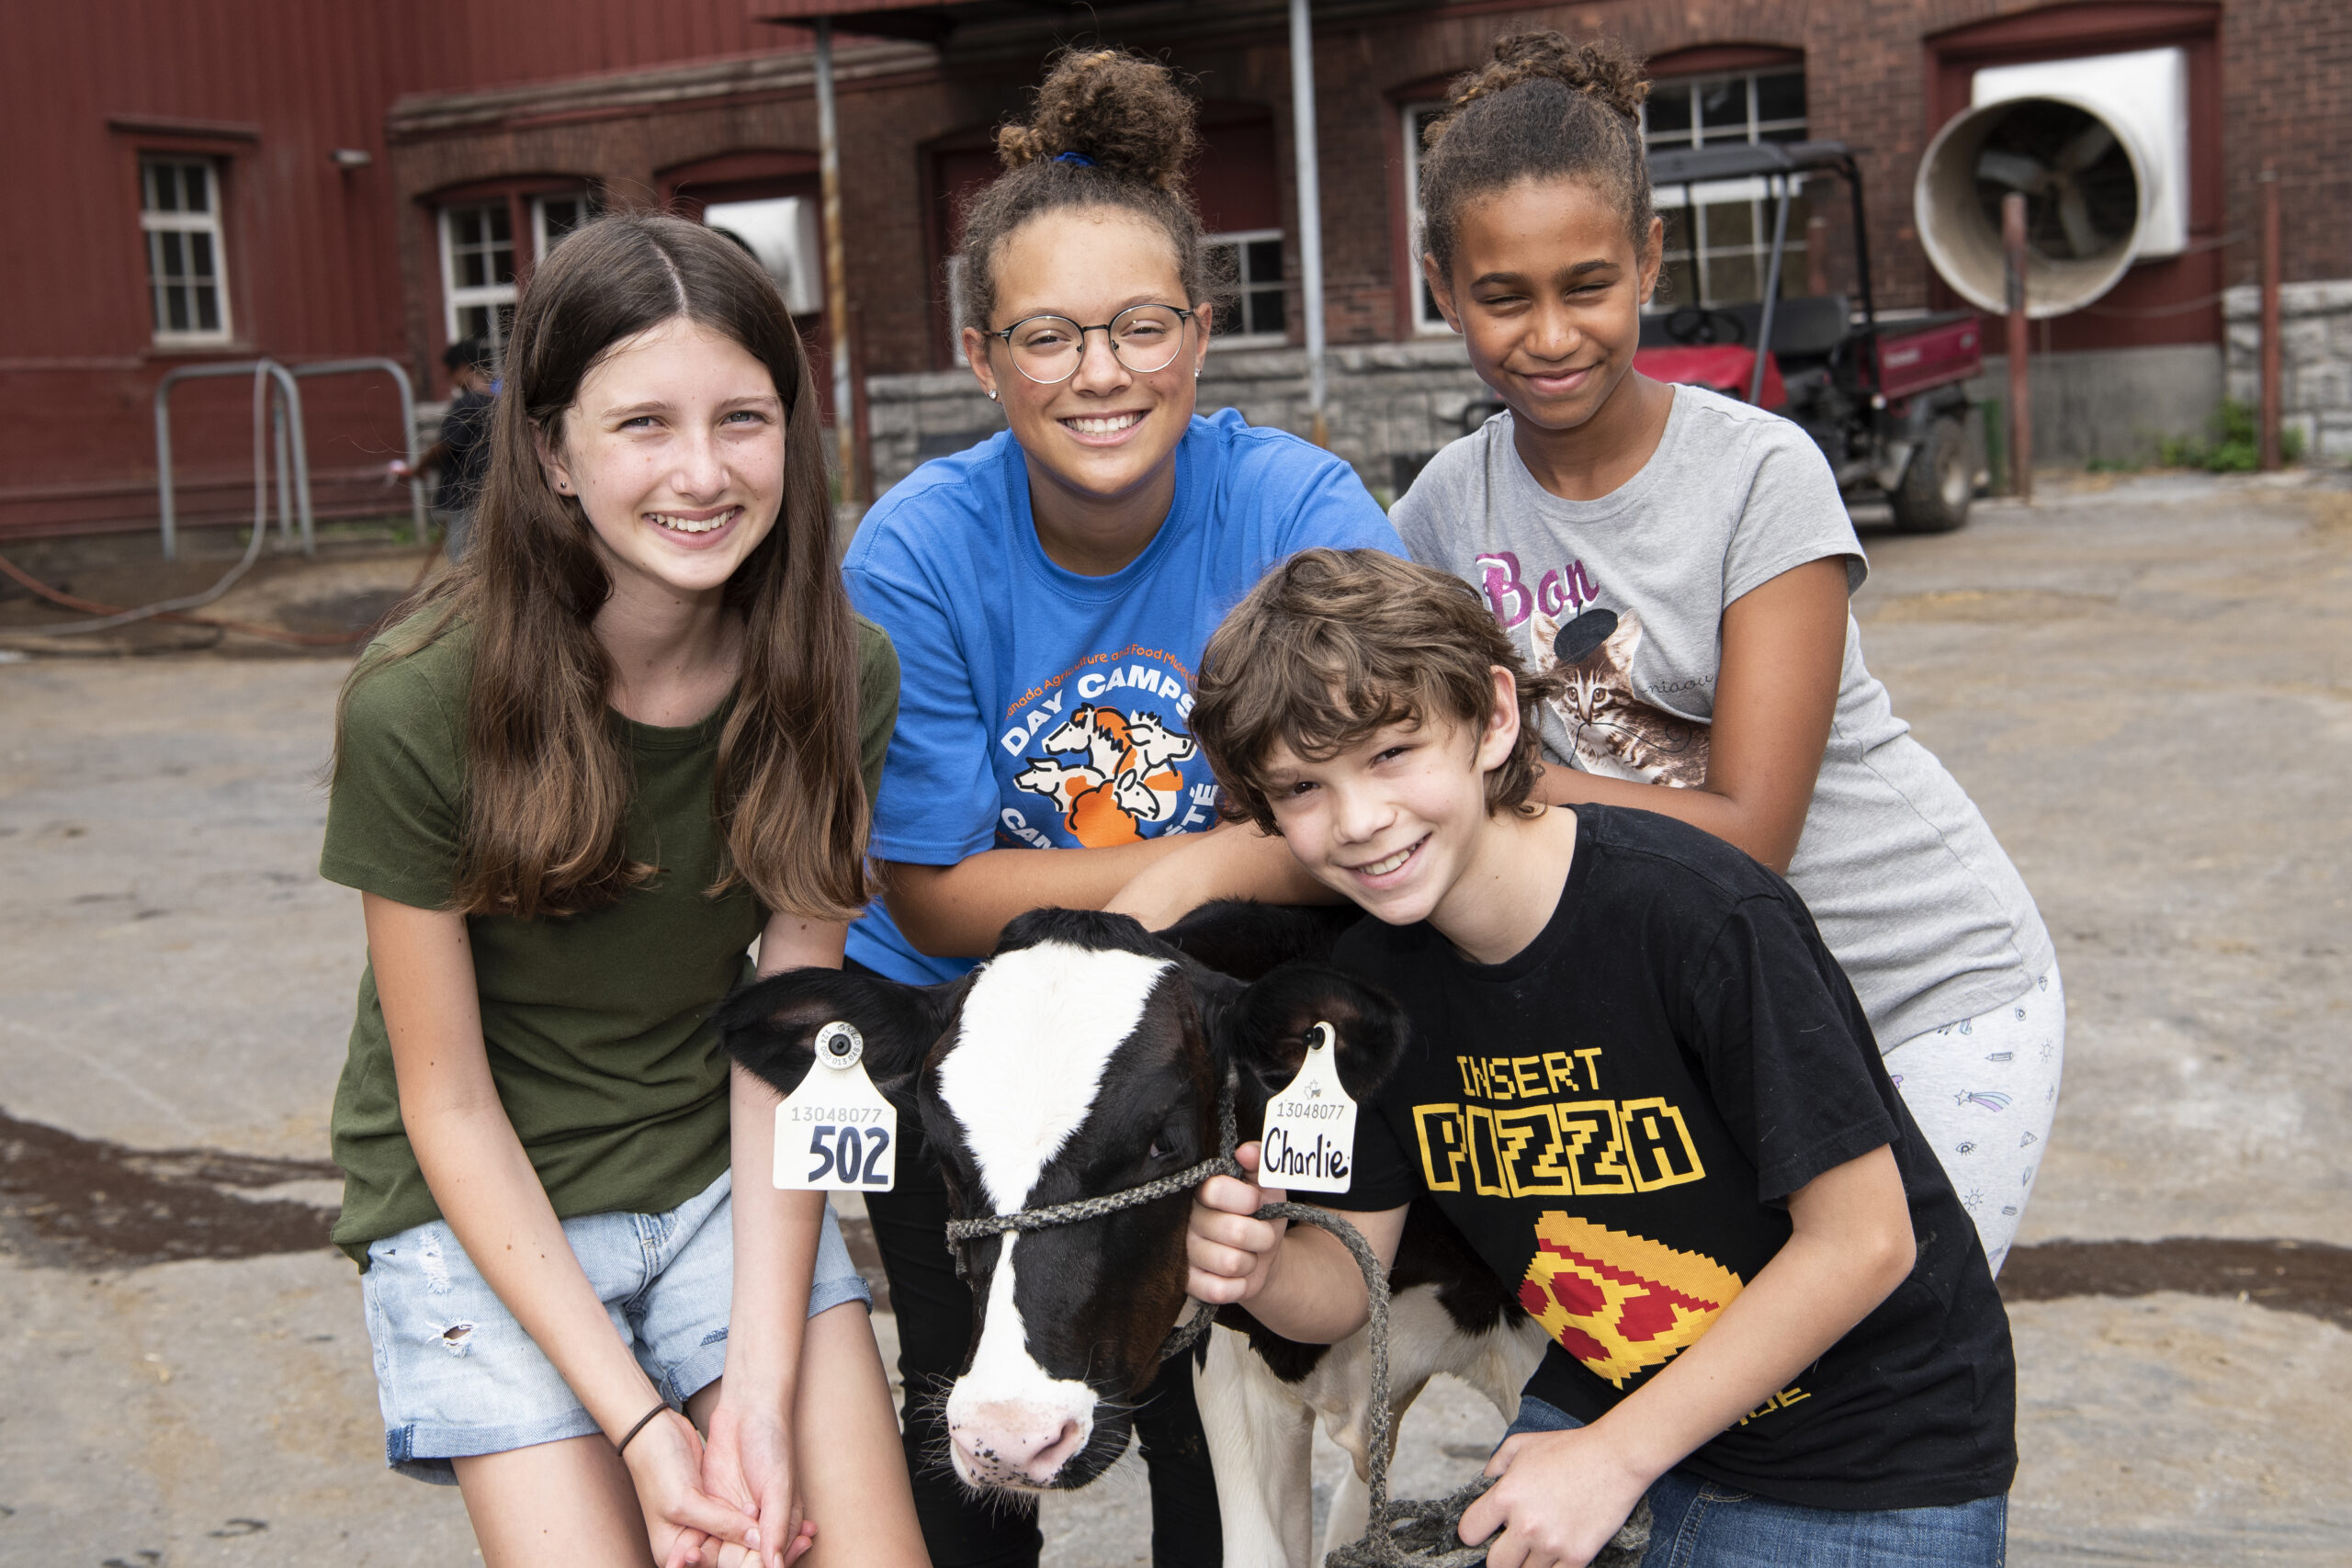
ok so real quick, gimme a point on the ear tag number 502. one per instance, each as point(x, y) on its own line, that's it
point(836, 1133)
point(1310, 1138)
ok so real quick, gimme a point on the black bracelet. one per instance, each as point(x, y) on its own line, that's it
point(642, 1423)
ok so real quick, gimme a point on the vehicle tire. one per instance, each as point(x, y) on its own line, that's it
point(1937, 483)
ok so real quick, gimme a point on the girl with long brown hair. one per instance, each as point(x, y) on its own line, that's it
point(621, 742)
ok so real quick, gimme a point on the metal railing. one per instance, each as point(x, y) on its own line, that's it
point(292, 449)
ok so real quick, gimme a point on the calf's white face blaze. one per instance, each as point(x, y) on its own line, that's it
point(1039, 1027)
point(1038, 1030)
point(1010, 1422)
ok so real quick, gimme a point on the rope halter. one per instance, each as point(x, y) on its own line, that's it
point(1180, 1338)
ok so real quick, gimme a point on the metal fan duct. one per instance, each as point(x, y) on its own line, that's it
point(2089, 183)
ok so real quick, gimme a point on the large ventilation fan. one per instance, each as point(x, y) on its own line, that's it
point(782, 235)
point(2098, 147)
point(2082, 196)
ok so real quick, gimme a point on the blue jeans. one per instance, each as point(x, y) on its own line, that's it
point(1699, 1524)
point(456, 1376)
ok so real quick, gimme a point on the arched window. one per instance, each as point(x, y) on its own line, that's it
point(490, 236)
point(1718, 236)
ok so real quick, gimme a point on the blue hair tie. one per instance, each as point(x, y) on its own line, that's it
point(1081, 159)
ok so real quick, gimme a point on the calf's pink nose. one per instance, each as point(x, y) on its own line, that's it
point(1012, 1443)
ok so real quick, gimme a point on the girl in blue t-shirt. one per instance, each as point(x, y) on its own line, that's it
point(1049, 591)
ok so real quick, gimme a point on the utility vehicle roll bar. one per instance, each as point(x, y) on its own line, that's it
point(1688, 167)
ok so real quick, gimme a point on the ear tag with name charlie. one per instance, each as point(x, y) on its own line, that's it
point(1310, 1140)
point(836, 1133)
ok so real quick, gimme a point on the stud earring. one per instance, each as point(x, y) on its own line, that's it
point(991, 394)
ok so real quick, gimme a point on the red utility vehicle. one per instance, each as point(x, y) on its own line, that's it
point(1882, 400)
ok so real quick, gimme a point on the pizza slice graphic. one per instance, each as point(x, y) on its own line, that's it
point(1620, 1302)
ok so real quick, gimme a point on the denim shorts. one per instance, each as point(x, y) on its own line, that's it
point(1697, 1523)
point(456, 1376)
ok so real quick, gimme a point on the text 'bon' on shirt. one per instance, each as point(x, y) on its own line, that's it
point(1044, 708)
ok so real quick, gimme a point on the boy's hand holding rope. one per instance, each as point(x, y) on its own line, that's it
point(1411, 1533)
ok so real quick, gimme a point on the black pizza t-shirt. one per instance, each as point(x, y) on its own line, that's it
point(1615, 1119)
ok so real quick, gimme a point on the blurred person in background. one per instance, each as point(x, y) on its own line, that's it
point(465, 433)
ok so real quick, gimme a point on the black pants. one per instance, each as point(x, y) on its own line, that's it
point(934, 1312)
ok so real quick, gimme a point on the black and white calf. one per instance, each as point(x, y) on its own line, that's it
point(1084, 1058)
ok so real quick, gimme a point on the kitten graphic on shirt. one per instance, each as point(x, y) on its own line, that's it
point(1615, 734)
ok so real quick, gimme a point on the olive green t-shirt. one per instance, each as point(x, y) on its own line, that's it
point(595, 1023)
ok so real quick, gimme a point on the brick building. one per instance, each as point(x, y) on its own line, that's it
point(710, 105)
point(212, 183)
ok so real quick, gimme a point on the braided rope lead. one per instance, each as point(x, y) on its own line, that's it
point(1415, 1534)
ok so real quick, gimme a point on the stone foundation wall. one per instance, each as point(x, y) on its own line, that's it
point(2315, 365)
point(1391, 405)
point(1386, 407)
point(2111, 405)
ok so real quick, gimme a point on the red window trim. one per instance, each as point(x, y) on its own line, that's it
point(2057, 31)
point(688, 188)
point(1720, 58)
point(240, 132)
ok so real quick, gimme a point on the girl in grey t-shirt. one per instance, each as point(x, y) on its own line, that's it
point(1687, 558)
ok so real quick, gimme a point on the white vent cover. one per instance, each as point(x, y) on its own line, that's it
point(783, 234)
point(2144, 94)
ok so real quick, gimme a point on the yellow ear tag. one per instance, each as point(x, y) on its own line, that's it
point(1310, 1138)
point(836, 1133)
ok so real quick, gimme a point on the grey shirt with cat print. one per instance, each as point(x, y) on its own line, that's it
point(1911, 891)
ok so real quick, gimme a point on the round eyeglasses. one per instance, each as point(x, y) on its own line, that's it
point(1144, 338)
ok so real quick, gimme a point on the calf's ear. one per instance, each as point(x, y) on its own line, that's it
point(771, 1026)
point(1264, 1031)
point(1248, 940)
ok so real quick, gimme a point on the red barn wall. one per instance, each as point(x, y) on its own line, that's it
point(272, 87)
point(326, 262)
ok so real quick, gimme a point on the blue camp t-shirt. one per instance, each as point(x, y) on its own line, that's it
point(1042, 708)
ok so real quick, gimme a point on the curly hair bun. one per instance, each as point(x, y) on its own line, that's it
point(1120, 110)
point(1601, 70)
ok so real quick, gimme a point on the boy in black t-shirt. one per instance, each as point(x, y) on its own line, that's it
point(1642, 1091)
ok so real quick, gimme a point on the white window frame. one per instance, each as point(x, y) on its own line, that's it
point(952, 281)
point(153, 224)
point(1241, 240)
point(457, 299)
point(1757, 193)
point(540, 243)
point(1427, 321)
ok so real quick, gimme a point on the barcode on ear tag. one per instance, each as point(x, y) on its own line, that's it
point(836, 1133)
point(1310, 1136)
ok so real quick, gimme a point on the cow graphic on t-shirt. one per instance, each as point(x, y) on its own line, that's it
point(1620, 1302)
point(1111, 774)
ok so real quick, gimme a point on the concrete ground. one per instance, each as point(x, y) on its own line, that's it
point(2145, 683)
